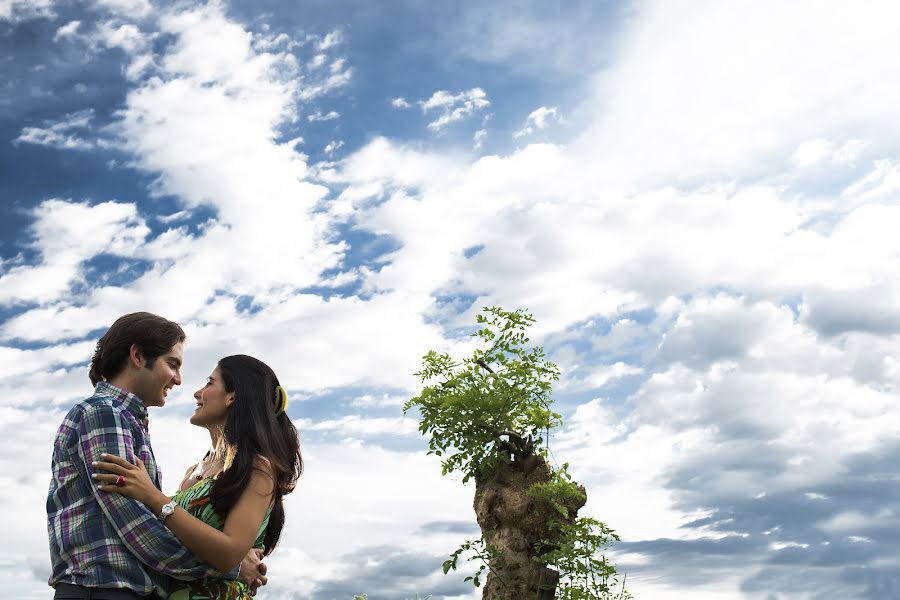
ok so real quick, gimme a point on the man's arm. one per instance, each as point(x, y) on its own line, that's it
point(101, 430)
point(219, 547)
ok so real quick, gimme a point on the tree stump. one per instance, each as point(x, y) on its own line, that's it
point(513, 524)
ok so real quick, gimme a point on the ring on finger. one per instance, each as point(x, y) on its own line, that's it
point(120, 481)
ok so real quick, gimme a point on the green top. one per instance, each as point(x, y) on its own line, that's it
point(196, 501)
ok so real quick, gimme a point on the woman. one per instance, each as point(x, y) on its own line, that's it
point(231, 501)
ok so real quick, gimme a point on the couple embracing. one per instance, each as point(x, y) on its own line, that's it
point(114, 535)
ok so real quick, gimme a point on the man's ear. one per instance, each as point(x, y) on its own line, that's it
point(136, 357)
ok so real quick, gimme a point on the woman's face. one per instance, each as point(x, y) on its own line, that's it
point(213, 402)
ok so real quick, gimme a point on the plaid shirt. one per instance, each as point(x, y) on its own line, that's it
point(106, 540)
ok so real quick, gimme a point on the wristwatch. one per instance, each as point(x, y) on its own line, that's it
point(167, 510)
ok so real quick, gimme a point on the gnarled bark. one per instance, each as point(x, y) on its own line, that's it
point(513, 524)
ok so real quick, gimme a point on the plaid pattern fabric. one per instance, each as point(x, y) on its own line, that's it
point(101, 539)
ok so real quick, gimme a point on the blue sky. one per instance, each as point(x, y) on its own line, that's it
point(697, 201)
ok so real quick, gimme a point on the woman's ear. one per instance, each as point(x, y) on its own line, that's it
point(229, 399)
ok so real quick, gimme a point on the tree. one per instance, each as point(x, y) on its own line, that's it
point(489, 418)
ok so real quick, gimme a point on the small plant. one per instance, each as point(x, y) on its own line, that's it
point(477, 550)
point(575, 548)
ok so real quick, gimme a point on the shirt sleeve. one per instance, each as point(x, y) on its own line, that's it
point(101, 430)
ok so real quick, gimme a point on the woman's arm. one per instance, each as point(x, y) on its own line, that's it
point(221, 549)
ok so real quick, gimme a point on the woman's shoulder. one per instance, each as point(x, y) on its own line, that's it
point(263, 474)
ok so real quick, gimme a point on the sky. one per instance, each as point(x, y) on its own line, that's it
point(698, 202)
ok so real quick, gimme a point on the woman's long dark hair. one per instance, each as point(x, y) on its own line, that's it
point(253, 430)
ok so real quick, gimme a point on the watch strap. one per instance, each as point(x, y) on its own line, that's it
point(167, 510)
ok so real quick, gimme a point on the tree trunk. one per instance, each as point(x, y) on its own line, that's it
point(513, 523)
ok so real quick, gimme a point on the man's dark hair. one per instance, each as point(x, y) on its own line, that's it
point(153, 335)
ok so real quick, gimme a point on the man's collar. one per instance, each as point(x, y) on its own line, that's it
point(131, 402)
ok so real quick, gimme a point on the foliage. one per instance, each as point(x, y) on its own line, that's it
point(496, 402)
point(574, 548)
point(575, 552)
point(584, 571)
point(557, 494)
point(478, 550)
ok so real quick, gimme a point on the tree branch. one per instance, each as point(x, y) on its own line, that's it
point(484, 366)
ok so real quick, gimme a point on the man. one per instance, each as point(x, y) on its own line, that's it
point(108, 546)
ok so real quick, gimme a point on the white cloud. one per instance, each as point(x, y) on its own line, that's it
point(70, 133)
point(23, 489)
point(716, 437)
point(849, 152)
point(354, 426)
point(599, 377)
point(478, 139)
point(537, 120)
point(175, 216)
point(16, 361)
point(733, 108)
point(335, 80)
point(66, 234)
point(453, 107)
point(327, 501)
point(174, 125)
point(119, 35)
point(67, 30)
point(333, 146)
point(213, 143)
point(319, 116)
point(533, 38)
point(811, 152)
point(110, 33)
point(634, 464)
point(23, 10)
point(129, 8)
point(518, 226)
point(210, 48)
point(336, 76)
point(881, 183)
point(373, 401)
point(337, 66)
point(400, 102)
point(332, 39)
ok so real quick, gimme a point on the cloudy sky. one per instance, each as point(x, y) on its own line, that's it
point(696, 200)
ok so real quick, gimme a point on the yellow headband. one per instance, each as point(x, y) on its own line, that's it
point(281, 400)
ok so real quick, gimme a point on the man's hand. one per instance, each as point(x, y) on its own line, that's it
point(253, 570)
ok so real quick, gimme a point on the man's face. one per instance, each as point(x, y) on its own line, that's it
point(153, 383)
